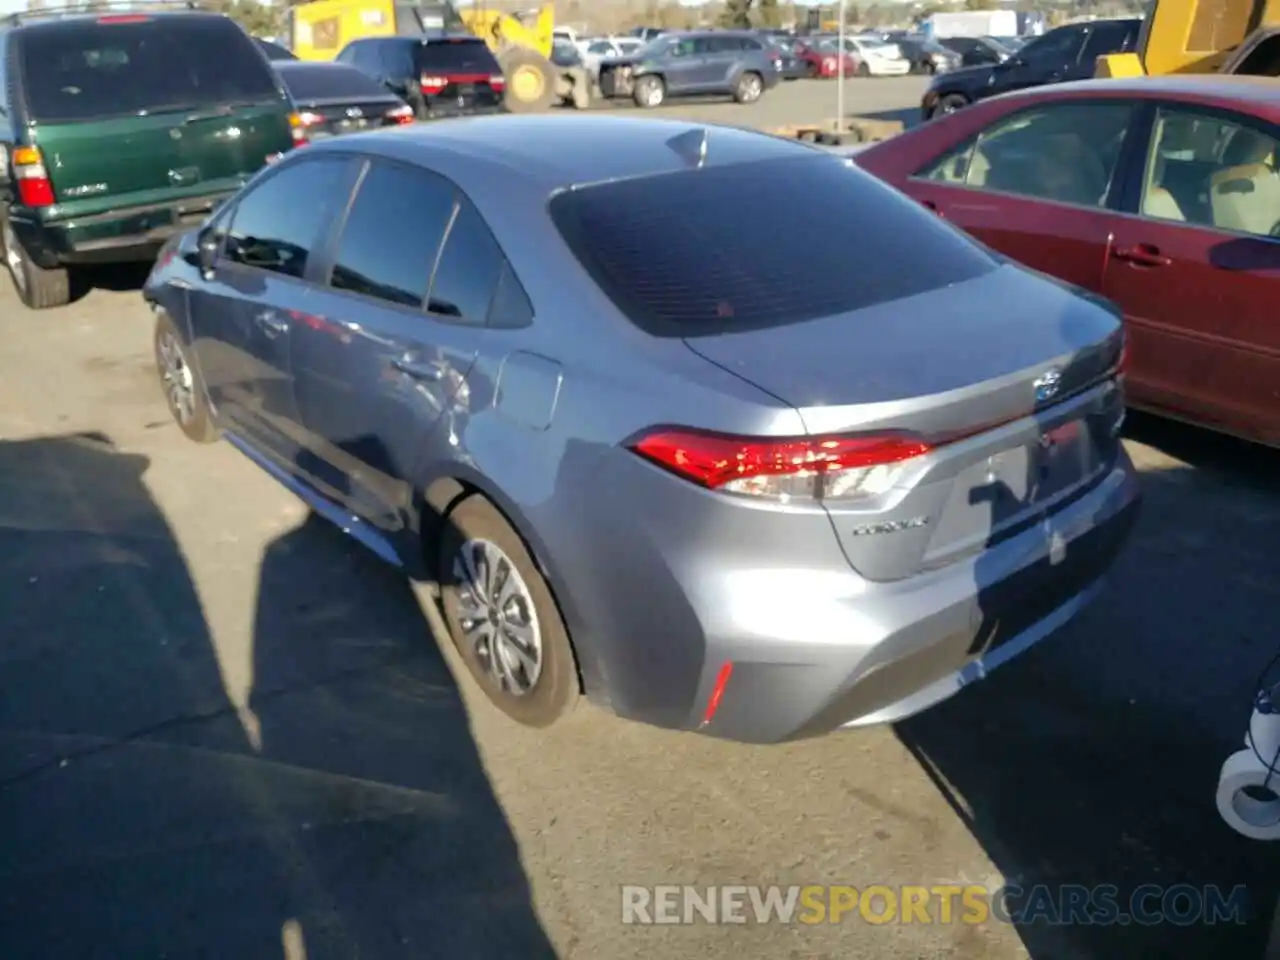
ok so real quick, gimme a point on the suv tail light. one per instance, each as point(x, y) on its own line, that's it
point(402, 114)
point(791, 469)
point(34, 187)
point(432, 85)
point(497, 81)
point(298, 124)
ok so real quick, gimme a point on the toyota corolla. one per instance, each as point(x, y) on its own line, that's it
point(652, 456)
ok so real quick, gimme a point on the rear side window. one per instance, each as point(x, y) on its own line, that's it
point(324, 81)
point(458, 56)
point(469, 269)
point(1107, 38)
point(87, 69)
point(683, 254)
point(392, 235)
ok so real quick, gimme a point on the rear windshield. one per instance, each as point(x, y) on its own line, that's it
point(758, 245)
point(86, 69)
point(460, 56)
point(323, 81)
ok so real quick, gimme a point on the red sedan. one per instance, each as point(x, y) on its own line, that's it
point(823, 59)
point(1160, 193)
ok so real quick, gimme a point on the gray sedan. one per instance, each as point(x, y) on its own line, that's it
point(651, 455)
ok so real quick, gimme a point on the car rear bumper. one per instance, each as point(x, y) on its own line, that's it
point(132, 233)
point(686, 582)
point(446, 111)
point(887, 651)
point(891, 68)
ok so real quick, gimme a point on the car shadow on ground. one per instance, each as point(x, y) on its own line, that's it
point(1093, 760)
point(908, 116)
point(342, 811)
point(111, 277)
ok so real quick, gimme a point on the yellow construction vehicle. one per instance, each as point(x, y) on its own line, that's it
point(1203, 36)
point(318, 30)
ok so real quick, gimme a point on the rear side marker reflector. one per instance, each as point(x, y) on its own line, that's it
point(794, 469)
point(717, 692)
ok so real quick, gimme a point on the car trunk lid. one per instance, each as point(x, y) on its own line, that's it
point(1007, 377)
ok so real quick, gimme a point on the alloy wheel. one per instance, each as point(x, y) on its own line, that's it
point(179, 385)
point(497, 615)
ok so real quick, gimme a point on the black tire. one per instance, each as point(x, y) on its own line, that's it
point(949, 103)
point(864, 70)
point(521, 66)
point(650, 92)
point(929, 67)
point(195, 420)
point(37, 287)
point(555, 690)
point(813, 70)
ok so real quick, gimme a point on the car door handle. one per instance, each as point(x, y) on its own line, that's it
point(272, 323)
point(1143, 255)
point(419, 369)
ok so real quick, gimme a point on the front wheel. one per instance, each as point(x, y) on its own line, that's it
point(182, 389)
point(949, 104)
point(650, 92)
point(864, 70)
point(749, 88)
point(502, 617)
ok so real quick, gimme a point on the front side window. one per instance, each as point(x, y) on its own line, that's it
point(1213, 171)
point(278, 224)
point(1065, 152)
point(1058, 46)
point(391, 236)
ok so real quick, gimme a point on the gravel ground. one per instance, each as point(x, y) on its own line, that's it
point(226, 732)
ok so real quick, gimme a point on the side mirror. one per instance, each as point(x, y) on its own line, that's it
point(207, 252)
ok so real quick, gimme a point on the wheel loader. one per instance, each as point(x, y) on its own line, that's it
point(319, 29)
point(1203, 36)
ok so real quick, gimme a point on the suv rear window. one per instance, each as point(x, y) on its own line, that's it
point(458, 56)
point(92, 68)
point(321, 81)
point(688, 253)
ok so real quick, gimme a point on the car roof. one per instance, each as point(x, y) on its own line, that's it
point(54, 20)
point(558, 151)
point(1256, 93)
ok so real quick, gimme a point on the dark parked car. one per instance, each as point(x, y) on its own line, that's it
point(737, 63)
point(1158, 193)
point(757, 490)
point(791, 66)
point(439, 76)
point(335, 98)
point(927, 56)
point(1065, 53)
point(118, 132)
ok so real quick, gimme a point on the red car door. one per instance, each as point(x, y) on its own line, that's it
point(1033, 185)
point(1197, 273)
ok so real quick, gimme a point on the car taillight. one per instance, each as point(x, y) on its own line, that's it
point(432, 84)
point(497, 81)
point(402, 114)
point(829, 64)
point(34, 188)
point(787, 470)
point(299, 124)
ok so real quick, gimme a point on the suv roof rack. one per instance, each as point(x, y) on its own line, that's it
point(102, 8)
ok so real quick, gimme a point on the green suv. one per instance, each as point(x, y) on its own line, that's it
point(118, 130)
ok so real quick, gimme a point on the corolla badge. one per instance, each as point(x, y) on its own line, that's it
point(1047, 385)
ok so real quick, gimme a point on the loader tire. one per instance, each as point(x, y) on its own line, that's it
point(531, 80)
